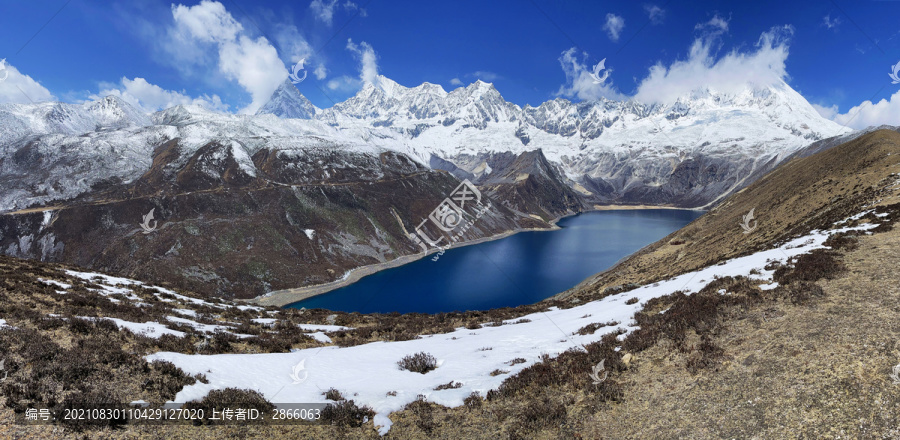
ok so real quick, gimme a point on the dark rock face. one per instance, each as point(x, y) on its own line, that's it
point(533, 185)
point(225, 224)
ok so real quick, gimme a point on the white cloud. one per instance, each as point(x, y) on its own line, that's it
point(485, 75)
point(19, 88)
point(456, 82)
point(826, 112)
point(368, 62)
point(321, 72)
point(253, 63)
point(715, 26)
point(324, 10)
point(208, 21)
point(293, 45)
point(614, 25)
point(343, 83)
point(150, 97)
point(579, 82)
point(830, 23)
point(351, 7)
point(867, 114)
point(655, 13)
point(730, 73)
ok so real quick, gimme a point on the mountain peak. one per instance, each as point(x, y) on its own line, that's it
point(114, 111)
point(427, 87)
point(287, 102)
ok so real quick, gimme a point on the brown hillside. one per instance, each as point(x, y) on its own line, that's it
point(801, 195)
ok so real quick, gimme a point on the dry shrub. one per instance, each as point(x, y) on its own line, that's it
point(418, 363)
point(474, 400)
point(448, 386)
point(593, 327)
point(423, 412)
point(231, 398)
point(86, 400)
point(704, 355)
point(346, 414)
point(166, 380)
point(820, 263)
point(538, 415)
point(333, 394)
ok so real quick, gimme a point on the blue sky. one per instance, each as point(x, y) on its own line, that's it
point(231, 54)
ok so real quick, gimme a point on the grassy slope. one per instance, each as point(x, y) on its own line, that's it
point(798, 196)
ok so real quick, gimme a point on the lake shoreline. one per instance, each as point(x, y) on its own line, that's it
point(281, 298)
point(284, 297)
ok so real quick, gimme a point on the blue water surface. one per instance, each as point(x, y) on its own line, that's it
point(521, 269)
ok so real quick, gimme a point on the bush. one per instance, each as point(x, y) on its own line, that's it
point(801, 291)
point(231, 398)
point(820, 263)
point(591, 328)
point(347, 414)
point(540, 414)
point(97, 398)
point(448, 386)
point(166, 379)
point(418, 363)
point(333, 394)
point(473, 401)
point(705, 355)
point(50, 323)
point(80, 326)
point(842, 240)
point(423, 412)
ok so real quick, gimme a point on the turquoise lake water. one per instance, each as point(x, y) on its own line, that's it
point(520, 269)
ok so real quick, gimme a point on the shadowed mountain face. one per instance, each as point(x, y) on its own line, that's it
point(226, 223)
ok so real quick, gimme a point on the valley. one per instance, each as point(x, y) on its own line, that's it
point(465, 220)
point(236, 195)
point(718, 322)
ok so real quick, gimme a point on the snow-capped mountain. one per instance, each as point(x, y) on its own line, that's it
point(22, 120)
point(689, 153)
point(288, 102)
point(92, 171)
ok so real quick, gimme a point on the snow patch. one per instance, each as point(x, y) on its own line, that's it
point(149, 329)
point(459, 353)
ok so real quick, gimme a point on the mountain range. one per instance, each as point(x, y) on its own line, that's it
point(297, 196)
point(688, 153)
